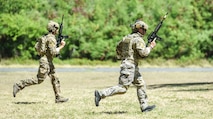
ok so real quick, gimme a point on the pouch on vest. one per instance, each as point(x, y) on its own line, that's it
point(40, 45)
point(123, 47)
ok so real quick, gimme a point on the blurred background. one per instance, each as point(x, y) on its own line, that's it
point(95, 27)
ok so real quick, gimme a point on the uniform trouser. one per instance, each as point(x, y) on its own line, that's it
point(45, 68)
point(129, 74)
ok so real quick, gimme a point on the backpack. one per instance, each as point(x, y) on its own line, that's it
point(40, 45)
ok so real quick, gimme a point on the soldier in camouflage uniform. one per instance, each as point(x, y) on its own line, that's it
point(46, 66)
point(130, 49)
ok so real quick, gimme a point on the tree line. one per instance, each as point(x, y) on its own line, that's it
point(94, 27)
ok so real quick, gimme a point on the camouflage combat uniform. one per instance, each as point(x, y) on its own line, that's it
point(46, 68)
point(130, 50)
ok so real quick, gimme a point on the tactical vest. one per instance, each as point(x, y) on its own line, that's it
point(124, 48)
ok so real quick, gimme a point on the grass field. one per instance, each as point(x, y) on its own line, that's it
point(177, 95)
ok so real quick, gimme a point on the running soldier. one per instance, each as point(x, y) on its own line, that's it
point(130, 49)
point(46, 47)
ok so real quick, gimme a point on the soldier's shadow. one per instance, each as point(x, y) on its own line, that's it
point(184, 85)
point(28, 103)
point(115, 112)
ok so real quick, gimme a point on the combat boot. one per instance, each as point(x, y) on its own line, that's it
point(97, 98)
point(148, 108)
point(16, 89)
point(61, 99)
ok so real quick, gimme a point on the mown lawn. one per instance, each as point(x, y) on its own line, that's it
point(177, 95)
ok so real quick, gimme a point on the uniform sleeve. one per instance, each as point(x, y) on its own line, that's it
point(51, 44)
point(141, 48)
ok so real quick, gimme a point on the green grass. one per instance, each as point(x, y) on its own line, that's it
point(85, 62)
point(57, 61)
point(177, 95)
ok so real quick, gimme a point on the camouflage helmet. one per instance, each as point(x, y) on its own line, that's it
point(139, 24)
point(52, 26)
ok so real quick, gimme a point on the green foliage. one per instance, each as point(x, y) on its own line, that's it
point(96, 26)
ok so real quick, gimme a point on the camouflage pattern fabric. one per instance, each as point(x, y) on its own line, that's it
point(130, 49)
point(46, 68)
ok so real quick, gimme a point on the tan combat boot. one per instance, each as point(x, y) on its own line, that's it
point(60, 99)
point(148, 108)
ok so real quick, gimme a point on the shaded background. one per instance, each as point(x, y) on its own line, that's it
point(95, 27)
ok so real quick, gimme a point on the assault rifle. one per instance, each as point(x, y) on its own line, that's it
point(60, 36)
point(154, 35)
